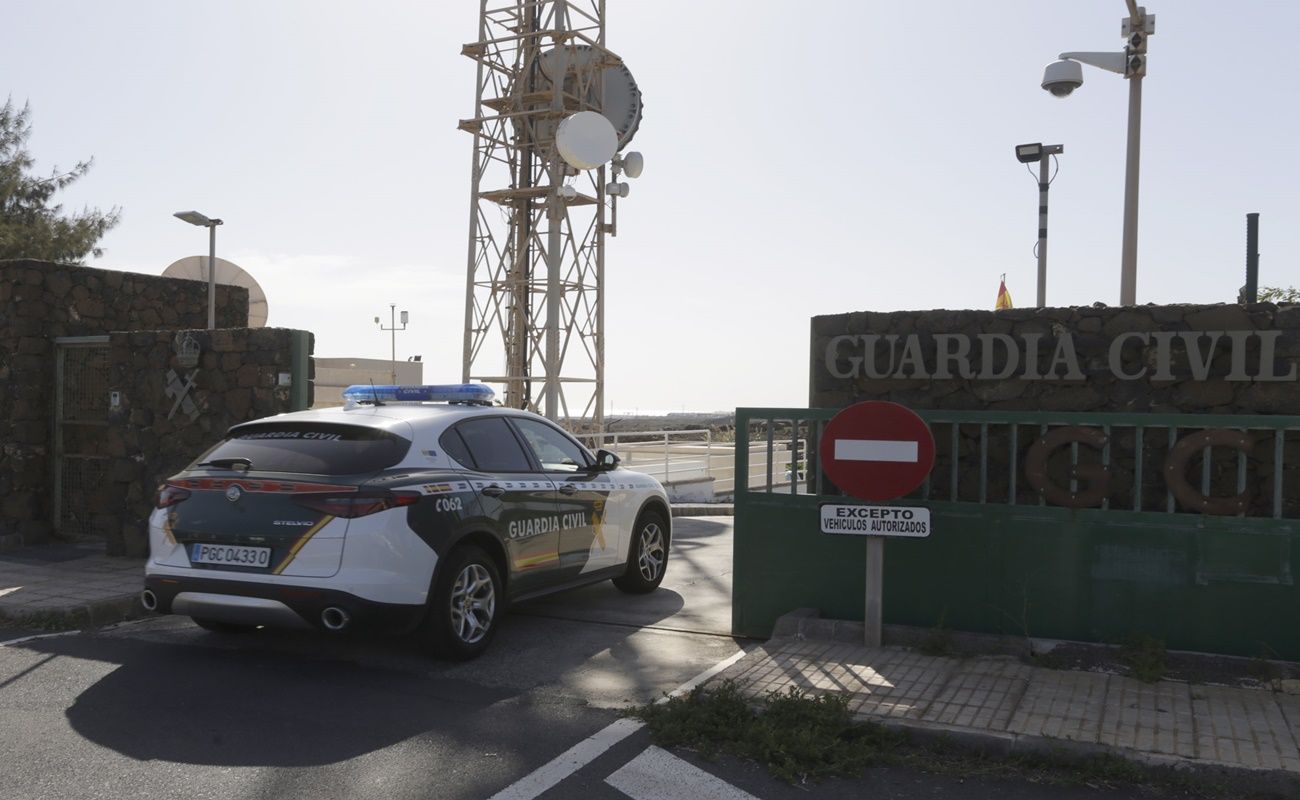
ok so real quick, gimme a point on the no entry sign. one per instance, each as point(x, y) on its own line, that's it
point(877, 450)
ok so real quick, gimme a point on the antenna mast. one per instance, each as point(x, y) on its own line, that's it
point(534, 299)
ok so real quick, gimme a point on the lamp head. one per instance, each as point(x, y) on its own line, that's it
point(1062, 77)
point(195, 218)
point(1029, 153)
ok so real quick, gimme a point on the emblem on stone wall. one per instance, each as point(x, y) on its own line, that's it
point(187, 350)
point(187, 355)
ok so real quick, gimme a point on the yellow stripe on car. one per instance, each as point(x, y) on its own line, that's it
point(302, 540)
point(533, 561)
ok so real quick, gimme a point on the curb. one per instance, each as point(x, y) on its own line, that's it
point(704, 510)
point(1009, 745)
point(93, 614)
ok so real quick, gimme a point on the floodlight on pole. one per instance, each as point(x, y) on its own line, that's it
point(203, 221)
point(1062, 77)
point(392, 316)
point(1027, 154)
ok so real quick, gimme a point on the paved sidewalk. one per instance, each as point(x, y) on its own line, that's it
point(1000, 703)
point(57, 584)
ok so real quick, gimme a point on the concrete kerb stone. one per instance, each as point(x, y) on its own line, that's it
point(1006, 745)
point(94, 613)
point(704, 510)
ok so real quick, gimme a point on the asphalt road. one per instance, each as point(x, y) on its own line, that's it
point(160, 708)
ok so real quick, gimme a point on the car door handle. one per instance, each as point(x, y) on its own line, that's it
point(493, 490)
point(567, 489)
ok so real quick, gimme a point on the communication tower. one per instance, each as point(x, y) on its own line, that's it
point(553, 110)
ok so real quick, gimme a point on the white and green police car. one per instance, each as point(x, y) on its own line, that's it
point(409, 509)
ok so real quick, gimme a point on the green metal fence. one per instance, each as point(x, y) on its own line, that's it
point(1004, 558)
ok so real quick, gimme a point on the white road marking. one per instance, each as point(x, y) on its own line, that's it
point(875, 450)
point(591, 748)
point(37, 636)
point(704, 676)
point(659, 775)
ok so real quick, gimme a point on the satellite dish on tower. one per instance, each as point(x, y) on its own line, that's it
point(620, 102)
point(195, 268)
point(586, 140)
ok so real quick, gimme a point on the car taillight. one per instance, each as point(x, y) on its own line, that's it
point(169, 495)
point(357, 504)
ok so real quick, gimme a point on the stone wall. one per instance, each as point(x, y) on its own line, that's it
point(1232, 379)
point(40, 301)
point(242, 374)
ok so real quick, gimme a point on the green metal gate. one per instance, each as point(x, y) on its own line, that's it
point(81, 465)
point(1002, 559)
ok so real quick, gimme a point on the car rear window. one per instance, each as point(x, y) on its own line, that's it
point(310, 447)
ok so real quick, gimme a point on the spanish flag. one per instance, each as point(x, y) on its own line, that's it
point(1004, 297)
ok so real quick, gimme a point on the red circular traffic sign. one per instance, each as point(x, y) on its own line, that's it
point(877, 450)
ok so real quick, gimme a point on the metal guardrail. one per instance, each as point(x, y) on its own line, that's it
point(687, 455)
point(1111, 461)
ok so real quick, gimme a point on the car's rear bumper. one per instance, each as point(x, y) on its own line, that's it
point(276, 605)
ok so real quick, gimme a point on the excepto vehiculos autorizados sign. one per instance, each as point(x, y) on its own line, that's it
point(876, 520)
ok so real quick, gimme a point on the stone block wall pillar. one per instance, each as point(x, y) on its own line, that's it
point(171, 413)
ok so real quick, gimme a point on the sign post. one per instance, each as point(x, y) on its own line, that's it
point(876, 451)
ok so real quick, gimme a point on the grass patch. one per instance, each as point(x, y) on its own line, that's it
point(1144, 655)
point(798, 736)
point(46, 621)
point(801, 737)
point(938, 640)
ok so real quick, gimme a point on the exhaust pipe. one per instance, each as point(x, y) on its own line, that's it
point(335, 619)
point(149, 600)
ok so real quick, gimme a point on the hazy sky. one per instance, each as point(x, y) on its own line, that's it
point(801, 159)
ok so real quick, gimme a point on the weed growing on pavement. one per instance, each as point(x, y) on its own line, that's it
point(46, 621)
point(705, 720)
point(1144, 655)
point(798, 736)
point(938, 641)
point(1049, 659)
point(1262, 667)
point(802, 737)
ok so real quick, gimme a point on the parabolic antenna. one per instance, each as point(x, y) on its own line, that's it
point(586, 140)
point(620, 101)
point(195, 268)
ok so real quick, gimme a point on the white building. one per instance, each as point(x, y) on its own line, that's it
point(333, 375)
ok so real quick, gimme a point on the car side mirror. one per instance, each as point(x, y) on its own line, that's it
point(606, 460)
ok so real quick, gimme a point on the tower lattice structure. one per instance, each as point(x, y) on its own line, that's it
point(534, 300)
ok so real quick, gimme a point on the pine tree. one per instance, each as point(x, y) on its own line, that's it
point(29, 226)
point(1278, 294)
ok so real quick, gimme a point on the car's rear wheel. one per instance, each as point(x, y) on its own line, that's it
point(217, 626)
point(647, 557)
point(465, 605)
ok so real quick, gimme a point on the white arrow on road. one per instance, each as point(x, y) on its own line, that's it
point(876, 450)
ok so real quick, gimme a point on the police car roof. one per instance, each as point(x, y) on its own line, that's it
point(390, 415)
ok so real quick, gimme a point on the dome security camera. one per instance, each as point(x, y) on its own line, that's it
point(1062, 77)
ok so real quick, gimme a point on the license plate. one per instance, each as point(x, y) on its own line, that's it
point(230, 555)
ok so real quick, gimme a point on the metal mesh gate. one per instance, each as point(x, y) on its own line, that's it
point(80, 424)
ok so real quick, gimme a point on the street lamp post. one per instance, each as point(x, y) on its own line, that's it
point(392, 315)
point(195, 218)
point(1064, 76)
point(1027, 154)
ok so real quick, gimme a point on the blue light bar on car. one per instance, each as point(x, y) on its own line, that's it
point(474, 393)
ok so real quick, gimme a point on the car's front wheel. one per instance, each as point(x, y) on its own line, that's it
point(465, 604)
point(647, 557)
